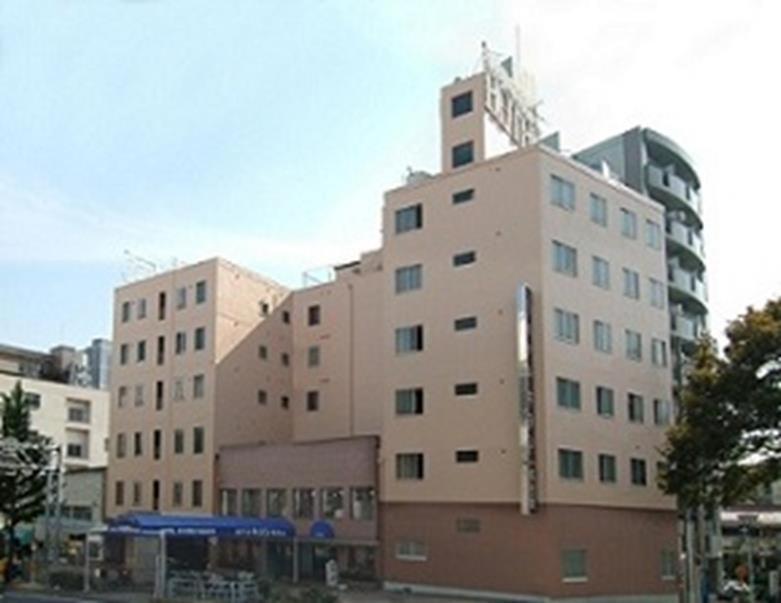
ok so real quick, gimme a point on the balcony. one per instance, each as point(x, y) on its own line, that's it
point(687, 288)
point(685, 327)
point(685, 240)
point(673, 192)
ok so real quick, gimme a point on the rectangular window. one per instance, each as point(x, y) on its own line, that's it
point(409, 278)
point(76, 451)
point(465, 389)
point(262, 396)
point(137, 494)
point(607, 469)
point(157, 444)
point(284, 402)
point(160, 350)
point(313, 315)
point(598, 210)
point(409, 550)
point(332, 503)
point(573, 565)
point(141, 309)
point(286, 317)
point(250, 502)
point(409, 401)
point(178, 389)
point(139, 395)
point(463, 154)
point(313, 356)
point(177, 494)
point(262, 352)
point(464, 196)
point(669, 563)
point(161, 305)
point(634, 345)
point(33, 400)
point(181, 342)
point(200, 338)
point(181, 298)
point(178, 441)
point(565, 259)
point(119, 493)
point(121, 445)
point(199, 384)
point(467, 525)
point(603, 337)
point(126, 309)
point(635, 408)
point(600, 272)
point(200, 292)
point(229, 502)
point(605, 401)
point(653, 234)
point(628, 223)
point(159, 395)
point(284, 358)
point(461, 104)
point(197, 493)
point(631, 284)
point(198, 440)
point(657, 294)
point(124, 353)
point(568, 393)
point(662, 412)
point(464, 258)
point(409, 465)
point(570, 464)
point(362, 503)
point(312, 401)
point(303, 503)
point(409, 339)
point(466, 323)
point(562, 193)
point(141, 351)
point(658, 352)
point(138, 448)
point(409, 218)
point(638, 472)
point(467, 456)
point(276, 502)
point(566, 326)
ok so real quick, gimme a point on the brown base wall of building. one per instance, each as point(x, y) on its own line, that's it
point(522, 555)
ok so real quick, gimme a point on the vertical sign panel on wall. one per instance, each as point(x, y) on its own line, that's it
point(526, 410)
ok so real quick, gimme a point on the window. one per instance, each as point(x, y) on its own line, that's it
point(157, 444)
point(409, 278)
point(313, 356)
point(284, 358)
point(177, 494)
point(124, 352)
point(362, 503)
point(262, 352)
point(265, 308)
point(199, 386)
point(565, 259)
point(312, 400)
point(669, 565)
point(139, 395)
point(121, 445)
point(467, 456)
point(466, 323)
point(566, 326)
point(276, 502)
point(200, 338)
point(126, 306)
point(628, 223)
point(137, 494)
point(160, 350)
point(178, 441)
point(159, 395)
point(603, 337)
point(197, 493)
point(568, 393)
point(141, 309)
point(600, 272)
point(284, 402)
point(465, 389)
point(662, 412)
point(78, 411)
point(463, 154)
point(464, 258)
point(229, 502)
point(658, 352)
point(573, 565)
point(138, 441)
point(409, 339)
point(303, 503)
point(409, 401)
point(409, 218)
point(605, 401)
point(631, 284)
point(463, 196)
point(638, 472)
point(181, 298)
point(178, 389)
point(653, 234)
point(467, 525)
point(161, 306)
point(198, 440)
point(656, 293)
point(200, 292)
point(250, 502)
point(286, 317)
point(607, 468)
point(562, 193)
point(313, 315)
point(570, 464)
point(119, 493)
point(141, 351)
point(262, 396)
point(635, 408)
point(409, 465)
point(461, 104)
point(598, 210)
point(33, 400)
point(409, 550)
point(332, 504)
point(634, 345)
point(181, 342)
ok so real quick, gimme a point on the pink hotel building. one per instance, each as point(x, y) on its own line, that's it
point(476, 406)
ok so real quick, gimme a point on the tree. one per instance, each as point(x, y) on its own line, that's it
point(23, 471)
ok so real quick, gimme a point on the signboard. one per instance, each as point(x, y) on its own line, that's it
point(526, 404)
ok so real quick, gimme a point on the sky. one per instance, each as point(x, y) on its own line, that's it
point(266, 131)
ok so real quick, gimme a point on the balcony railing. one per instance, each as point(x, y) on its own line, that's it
point(674, 190)
point(687, 282)
point(687, 238)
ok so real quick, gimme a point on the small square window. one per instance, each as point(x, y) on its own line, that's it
point(463, 154)
point(409, 218)
point(200, 292)
point(467, 456)
point(467, 323)
point(312, 401)
point(465, 389)
point(464, 196)
point(461, 104)
point(464, 258)
point(313, 315)
point(262, 396)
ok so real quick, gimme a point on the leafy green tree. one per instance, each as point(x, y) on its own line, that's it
point(23, 472)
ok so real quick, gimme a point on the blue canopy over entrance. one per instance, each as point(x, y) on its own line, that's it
point(151, 524)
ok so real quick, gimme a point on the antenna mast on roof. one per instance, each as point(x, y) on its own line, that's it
point(137, 267)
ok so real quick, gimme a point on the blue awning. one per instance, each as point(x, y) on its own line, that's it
point(321, 529)
point(151, 524)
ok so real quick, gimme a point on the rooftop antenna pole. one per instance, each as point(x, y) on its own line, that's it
point(517, 52)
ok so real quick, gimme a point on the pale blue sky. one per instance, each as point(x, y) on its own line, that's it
point(266, 131)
